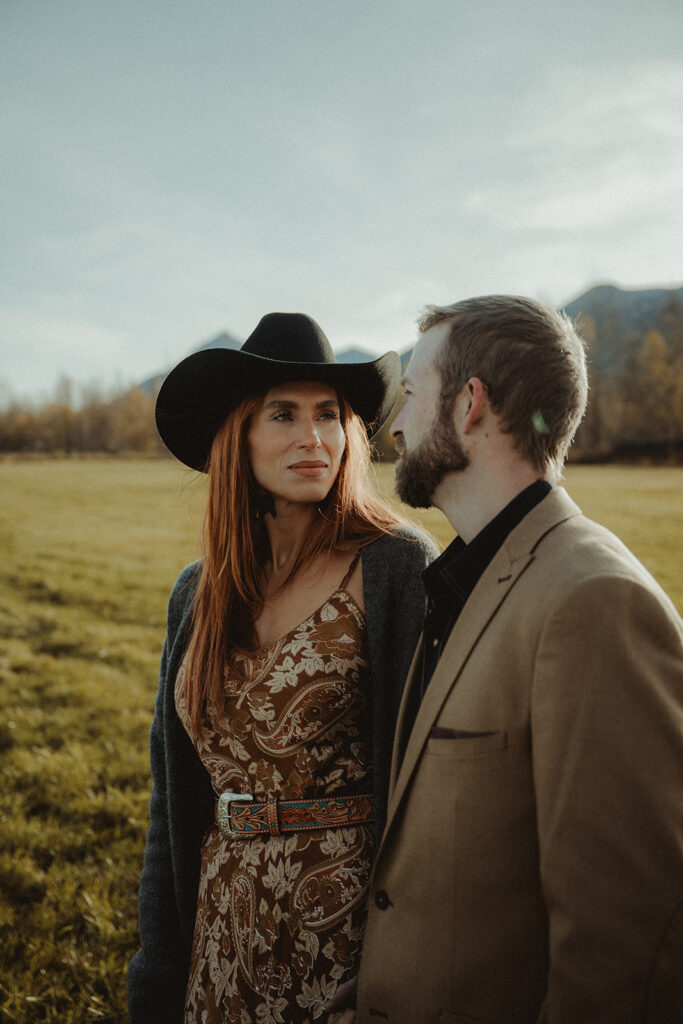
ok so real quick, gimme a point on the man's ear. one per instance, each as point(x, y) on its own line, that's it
point(477, 402)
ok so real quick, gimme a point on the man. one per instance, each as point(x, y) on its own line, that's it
point(531, 866)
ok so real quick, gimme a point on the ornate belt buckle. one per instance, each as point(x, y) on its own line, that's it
point(223, 814)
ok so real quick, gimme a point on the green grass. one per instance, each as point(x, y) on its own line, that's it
point(90, 549)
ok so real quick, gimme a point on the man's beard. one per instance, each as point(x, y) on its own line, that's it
point(419, 473)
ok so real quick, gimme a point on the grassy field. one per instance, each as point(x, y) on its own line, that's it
point(90, 550)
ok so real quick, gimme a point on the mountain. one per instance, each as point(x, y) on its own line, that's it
point(355, 355)
point(614, 321)
point(225, 340)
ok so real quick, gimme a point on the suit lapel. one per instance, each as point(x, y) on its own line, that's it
point(495, 584)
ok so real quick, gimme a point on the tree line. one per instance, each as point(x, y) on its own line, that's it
point(633, 412)
point(97, 423)
point(638, 410)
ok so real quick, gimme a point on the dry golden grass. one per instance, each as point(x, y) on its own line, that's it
point(90, 549)
point(642, 505)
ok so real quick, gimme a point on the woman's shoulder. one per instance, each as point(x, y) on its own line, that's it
point(184, 587)
point(405, 542)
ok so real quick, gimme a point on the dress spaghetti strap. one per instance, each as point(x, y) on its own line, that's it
point(349, 571)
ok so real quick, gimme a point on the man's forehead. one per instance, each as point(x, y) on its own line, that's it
point(423, 359)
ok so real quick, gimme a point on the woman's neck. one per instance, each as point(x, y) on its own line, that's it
point(287, 532)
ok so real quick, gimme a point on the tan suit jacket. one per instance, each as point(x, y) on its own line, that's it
point(532, 864)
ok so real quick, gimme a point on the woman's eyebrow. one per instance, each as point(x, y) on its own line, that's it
point(280, 403)
point(286, 403)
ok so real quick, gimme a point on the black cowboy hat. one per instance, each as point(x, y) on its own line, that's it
point(200, 391)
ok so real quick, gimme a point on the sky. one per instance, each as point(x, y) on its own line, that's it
point(171, 170)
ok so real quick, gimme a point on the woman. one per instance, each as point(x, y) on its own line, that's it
point(281, 674)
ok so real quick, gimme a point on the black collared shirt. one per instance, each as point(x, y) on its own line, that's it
point(450, 579)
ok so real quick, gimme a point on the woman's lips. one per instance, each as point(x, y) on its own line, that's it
point(308, 468)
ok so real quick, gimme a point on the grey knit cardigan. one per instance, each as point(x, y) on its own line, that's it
point(182, 802)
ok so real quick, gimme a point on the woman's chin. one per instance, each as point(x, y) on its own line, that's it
point(305, 494)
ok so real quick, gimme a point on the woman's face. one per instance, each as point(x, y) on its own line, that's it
point(296, 441)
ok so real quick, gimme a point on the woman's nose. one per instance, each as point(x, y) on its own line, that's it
point(310, 438)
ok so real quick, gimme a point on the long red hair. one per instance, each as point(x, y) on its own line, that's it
point(230, 591)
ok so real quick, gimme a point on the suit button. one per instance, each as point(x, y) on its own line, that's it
point(382, 900)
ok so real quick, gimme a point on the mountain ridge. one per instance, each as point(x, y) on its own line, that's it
point(614, 321)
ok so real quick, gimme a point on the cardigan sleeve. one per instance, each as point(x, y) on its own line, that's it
point(395, 604)
point(157, 973)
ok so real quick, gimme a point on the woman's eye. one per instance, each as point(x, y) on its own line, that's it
point(329, 414)
point(283, 414)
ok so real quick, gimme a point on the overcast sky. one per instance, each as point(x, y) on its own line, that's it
point(172, 169)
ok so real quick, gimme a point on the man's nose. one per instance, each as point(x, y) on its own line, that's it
point(396, 427)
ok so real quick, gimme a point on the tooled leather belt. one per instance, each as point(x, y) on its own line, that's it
point(239, 816)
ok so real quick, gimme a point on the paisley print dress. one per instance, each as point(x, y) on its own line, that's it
point(280, 918)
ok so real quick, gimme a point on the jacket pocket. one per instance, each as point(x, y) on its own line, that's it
point(440, 732)
point(447, 1017)
point(466, 745)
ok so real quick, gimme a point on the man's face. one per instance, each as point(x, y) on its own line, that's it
point(427, 441)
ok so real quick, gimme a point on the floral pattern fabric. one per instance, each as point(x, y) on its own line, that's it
point(280, 918)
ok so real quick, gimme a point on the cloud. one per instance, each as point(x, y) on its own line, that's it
point(601, 151)
point(195, 173)
point(58, 346)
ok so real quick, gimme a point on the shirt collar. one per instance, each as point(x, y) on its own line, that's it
point(460, 566)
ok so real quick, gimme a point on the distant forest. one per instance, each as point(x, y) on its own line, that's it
point(635, 412)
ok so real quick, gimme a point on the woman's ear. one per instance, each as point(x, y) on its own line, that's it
point(477, 402)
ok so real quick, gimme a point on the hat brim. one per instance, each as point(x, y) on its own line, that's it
point(200, 391)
